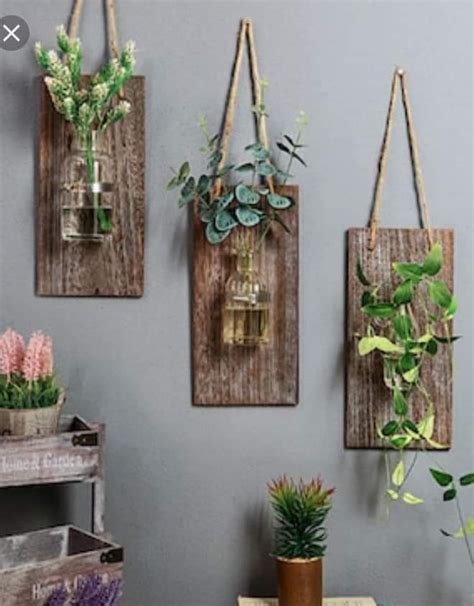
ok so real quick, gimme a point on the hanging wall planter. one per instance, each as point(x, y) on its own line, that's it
point(90, 218)
point(245, 259)
point(399, 322)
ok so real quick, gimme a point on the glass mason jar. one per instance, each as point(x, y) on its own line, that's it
point(86, 209)
point(246, 304)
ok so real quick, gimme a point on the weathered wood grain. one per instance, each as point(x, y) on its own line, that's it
point(226, 375)
point(368, 400)
point(34, 564)
point(114, 267)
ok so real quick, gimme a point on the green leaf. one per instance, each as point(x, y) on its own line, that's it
point(440, 294)
point(265, 169)
point(398, 475)
point(434, 260)
point(407, 362)
point(247, 217)
point(409, 271)
point(446, 339)
point(452, 308)
point(410, 499)
point(400, 405)
point(283, 147)
point(225, 221)
point(360, 274)
point(441, 477)
point(247, 167)
point(390, 428)
point(172, 183)
point(205, 213)
point(411, 376)
point(449, 495)
point(468, 529)
point(400, 441)
point(402, 326)
point(426, 424)
point(300, 159)
point(367, 298)
point(404, 293)
point(436, 445)
point(392, 494)
point(432, 347)
point(279, 202)
point(368, 344)
point(184, 172)
point(379, 310)
point(411, 429)
point(245, 195)
point(467, 479)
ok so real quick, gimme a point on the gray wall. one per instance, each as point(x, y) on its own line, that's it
point(186, 486)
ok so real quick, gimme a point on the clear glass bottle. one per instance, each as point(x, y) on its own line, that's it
point(86, 192)
point(246, 318)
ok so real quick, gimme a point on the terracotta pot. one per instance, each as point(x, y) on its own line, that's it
point(300, 582)
point(31, 421)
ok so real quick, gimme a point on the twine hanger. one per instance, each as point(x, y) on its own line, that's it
point(111, 24)
point(246, 35)
point(399, 79)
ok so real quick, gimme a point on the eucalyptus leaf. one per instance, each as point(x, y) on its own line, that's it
point(204, 185)
point(265, 169)
point(223, 201)
point(279, 202)
point(225, 221)
point(247, 217)
point(247, 167)
point(214, 236)
point(205, 213)
point(183, 172)
point(245, 195)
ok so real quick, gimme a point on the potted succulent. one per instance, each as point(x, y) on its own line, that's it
point(300, 539)
point(30, 398)
point(91, 107)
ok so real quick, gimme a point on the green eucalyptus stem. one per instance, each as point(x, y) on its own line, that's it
point(89, 159)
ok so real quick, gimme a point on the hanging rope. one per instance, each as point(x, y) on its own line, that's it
point(111, 23)
point(399, 78)
point(246, 35)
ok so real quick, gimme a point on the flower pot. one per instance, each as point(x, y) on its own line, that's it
point(300, 582)
point(31, 421)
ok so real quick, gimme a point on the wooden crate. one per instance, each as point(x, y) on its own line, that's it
point(75, 454)
point(33, 565)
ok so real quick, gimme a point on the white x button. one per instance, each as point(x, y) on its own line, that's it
point(14, 32)
point(11, 32)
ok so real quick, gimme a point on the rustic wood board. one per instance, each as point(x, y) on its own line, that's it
point(34, 564)
point(114, 267)
point(242, 376)
point(368, 400)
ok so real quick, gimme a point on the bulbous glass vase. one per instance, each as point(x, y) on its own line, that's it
point(247, 301)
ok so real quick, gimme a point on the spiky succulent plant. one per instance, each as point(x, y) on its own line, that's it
point(300, 511)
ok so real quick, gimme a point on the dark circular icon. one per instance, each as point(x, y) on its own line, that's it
point(14, 33)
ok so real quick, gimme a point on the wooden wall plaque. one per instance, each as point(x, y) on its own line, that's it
point(226, 375)
point(368, 401)
point(114, 267)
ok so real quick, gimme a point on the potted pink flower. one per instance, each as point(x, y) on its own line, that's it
point(31, 399)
